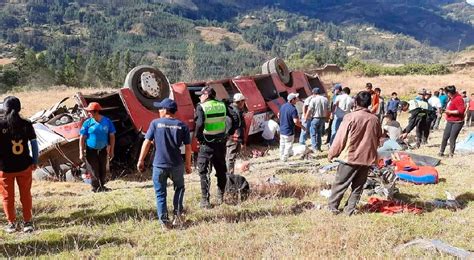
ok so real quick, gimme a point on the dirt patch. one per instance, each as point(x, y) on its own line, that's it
point(215, 35)
point(5, 61)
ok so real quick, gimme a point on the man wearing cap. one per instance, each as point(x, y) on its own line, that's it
point(211, 118)
point(168, 134)
point(318, 112)
point(96, 145)
point(235, 141)
point(288, 120)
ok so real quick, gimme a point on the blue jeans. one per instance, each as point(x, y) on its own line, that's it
point(304, 134)
point(317, 128)
point(335, 125)
point(160, 176)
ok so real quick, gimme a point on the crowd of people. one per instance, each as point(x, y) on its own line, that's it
point(353, 126)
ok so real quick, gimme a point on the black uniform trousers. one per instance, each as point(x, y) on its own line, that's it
point(96, 164)
point(212, 154)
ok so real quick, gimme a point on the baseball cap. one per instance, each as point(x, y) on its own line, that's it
point(338, 86)
point(167, 104)
point(316, 91)
point(93, 106)
point(292, 96)
point(422, 91)
point(239, 97)
point(207, 90)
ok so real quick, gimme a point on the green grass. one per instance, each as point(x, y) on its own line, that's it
point(72, 222)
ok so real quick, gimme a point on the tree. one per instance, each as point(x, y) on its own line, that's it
point(70, 72)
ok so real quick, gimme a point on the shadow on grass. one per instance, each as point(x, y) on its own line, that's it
point(91, 217)
point(69, 242)
point(460, 202)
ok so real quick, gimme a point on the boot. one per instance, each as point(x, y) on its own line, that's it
point(205, 204)
point(220, 197)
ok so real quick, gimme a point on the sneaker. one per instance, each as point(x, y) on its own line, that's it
point(10, 228)
point(205, 204)
point(28, 227)
point(441, 154)
point(105, 189)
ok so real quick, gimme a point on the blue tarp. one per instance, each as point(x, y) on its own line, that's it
point(467, 145)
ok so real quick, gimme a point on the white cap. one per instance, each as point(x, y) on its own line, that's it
point(291, 96)
point(239, 97)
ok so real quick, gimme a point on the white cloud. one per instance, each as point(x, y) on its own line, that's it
point(470, 2)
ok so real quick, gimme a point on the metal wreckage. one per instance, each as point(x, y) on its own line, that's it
point(131, 110)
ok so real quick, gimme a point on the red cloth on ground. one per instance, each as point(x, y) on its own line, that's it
point(389, 207)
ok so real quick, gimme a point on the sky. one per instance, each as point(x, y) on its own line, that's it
point(470, 2)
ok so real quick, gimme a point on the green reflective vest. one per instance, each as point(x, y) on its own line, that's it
point(214, 117)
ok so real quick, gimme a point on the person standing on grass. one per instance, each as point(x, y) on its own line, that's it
point(168, 134)
point(392, 106)
point(336, 91)
point(96, 145)
point(454, 120)
point(470, 112)
point(306, 123)
point(341, 107)
point(435, 103)
point(16, 163)
point(214, 122)
point(375, 100)
point(235, 141)
point(355, 146)
point(443, 98)
point(318, 111)
point(381, 108)
point(288, 120)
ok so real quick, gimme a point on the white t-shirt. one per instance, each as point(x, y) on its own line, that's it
point(393, 129)
point(299, 107)
point(434, 102)
point(344, 104)
point(271, 127)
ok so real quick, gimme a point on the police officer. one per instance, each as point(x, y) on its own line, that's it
point(235, 141)
point(210, 118)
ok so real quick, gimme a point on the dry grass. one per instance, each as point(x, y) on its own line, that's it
point(405, 85)
point(275, 222)
point(37, 100)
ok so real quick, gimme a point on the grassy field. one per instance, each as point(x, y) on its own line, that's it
point(275, 222)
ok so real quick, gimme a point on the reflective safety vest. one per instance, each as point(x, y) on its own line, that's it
point(214, 117)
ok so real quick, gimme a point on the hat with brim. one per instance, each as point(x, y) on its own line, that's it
point(167, 104)
point(206, 90)
point(292, 96)
point(93, 106)
point(239, 97)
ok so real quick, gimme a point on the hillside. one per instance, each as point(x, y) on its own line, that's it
point(95, 42)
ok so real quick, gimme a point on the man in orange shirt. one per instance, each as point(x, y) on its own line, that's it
point(374, 107)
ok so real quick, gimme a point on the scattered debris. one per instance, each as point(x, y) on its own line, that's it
point(438, 245)
point(389, 207)
point(328, 167)
point(273, 180)
point(451, 203)
point(325, 193)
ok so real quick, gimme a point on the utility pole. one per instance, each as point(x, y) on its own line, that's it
point(459, 44)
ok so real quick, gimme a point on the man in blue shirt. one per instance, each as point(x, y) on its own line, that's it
point(168, 134)
point(392, 106)
point(288, 120)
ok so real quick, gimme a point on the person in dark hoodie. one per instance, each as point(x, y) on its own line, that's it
point(418, 110)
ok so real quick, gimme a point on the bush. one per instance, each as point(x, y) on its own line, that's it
point(373, 70)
